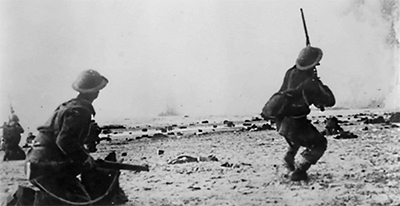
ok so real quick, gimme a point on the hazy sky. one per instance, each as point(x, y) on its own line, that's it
point(197, 57)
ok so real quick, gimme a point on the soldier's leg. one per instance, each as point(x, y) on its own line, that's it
point(62, 190)
point(316, 145)
point(104, 184)
point(316, 150)
point(293, 148)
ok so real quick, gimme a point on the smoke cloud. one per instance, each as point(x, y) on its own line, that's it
point(191, 57)
point(373, 79)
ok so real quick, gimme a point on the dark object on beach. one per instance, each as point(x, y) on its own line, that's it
point(159, 135)
point(377, 120)
point(395, 117)
point(332, 126)
point(255, 119)
point(160, 152)
point(106, 131)
point(266, 127)
point(186, 158)
point(226, 164)
point(205, 122)
point(345, 135)
point(247, 124)
point(113, 126)
point(230, 124)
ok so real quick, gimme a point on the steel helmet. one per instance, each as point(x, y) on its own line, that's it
point(308, 58)
point(89, 81)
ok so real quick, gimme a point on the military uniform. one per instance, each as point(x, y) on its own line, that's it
point(11, 138)
point(290, 106)
point(60, 140)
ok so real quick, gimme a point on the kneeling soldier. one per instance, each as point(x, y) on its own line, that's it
point(61, 140)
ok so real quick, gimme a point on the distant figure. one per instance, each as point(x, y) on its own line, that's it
point(289, 107)
point(11, 137)
point(332, 126)
point(29, 140)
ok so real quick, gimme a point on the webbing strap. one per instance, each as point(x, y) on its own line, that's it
point(77, 203)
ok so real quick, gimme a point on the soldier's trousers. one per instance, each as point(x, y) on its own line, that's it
point(96, 186)
point(300, 132)
point(13, 152)
point(60, 190)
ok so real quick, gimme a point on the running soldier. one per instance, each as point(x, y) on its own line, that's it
point(289, 107)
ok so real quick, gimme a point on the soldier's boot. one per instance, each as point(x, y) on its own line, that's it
point(289, 162)
point(289, 157)
point(300, 173)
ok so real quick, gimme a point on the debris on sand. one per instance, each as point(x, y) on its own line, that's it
point(186, 158)
point(158, 135)
point(229, 123)
point(238, 165)
point(395, 117)
point(112, 126)
point(377, 120)
point(254, 127)
point(332, 126)
point(345, 135)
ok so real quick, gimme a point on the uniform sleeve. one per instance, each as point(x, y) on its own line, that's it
point(328, 99)
point(285, 82)
point(20, 129)
point(73, 126)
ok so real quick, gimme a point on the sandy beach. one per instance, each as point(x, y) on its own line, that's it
point(248, 170)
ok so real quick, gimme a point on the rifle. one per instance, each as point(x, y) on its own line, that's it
point(308, 43)
point(315, 76)
point(11, 107)
point(37, 169)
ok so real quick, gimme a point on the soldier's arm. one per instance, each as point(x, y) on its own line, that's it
point(328, 99)
point(285, 82)
point(20, 129)
point(68, 138)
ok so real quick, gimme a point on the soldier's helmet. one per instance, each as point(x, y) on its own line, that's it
point(14, 118)
point(308, 58)
point(89, 81)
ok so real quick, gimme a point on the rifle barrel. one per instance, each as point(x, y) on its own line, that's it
point(39, 168)
point(305, 28)
point(120, 166)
